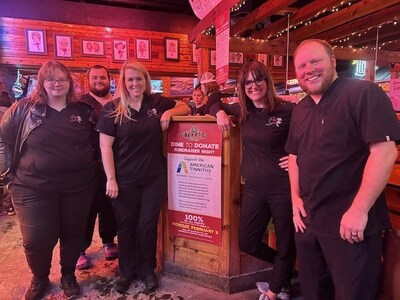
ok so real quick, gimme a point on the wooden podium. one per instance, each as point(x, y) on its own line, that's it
point(219, 264)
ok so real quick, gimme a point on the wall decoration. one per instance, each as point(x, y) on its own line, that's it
point(262, 58)
point(171, 47)
point(213, 57)
point(235, 57)
point(62, 46)
point(277, 60)
point(93, 48)
point(142, 49)
point(36, 41)
point(120, 50)
point(182, 86)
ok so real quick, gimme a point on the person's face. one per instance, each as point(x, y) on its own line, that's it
point(315, 69)
point(57, 85)
point(63, 44)
point(255, 89)
point(197, 97)
point(99, 84)
point(135, 83)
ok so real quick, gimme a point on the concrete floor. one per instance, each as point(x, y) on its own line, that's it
point(98, 282)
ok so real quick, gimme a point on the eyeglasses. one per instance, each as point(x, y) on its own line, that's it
point(59, 80)
point(258, 82)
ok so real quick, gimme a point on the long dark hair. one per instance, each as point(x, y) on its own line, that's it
point(39, 94)
point(258, 70)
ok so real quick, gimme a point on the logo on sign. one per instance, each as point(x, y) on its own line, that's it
point(194, 134)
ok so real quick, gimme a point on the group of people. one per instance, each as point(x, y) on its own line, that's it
point(63, 160)
point(339, 146)
point(316, 169)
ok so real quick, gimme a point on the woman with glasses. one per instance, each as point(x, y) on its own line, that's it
point(47, 159)
point(130, 129)
point(264, 123)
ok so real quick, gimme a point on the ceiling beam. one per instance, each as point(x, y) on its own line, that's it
point(209, 19)
point(264, 11)
point(304, 13)
point(371, 20)
point(355, 11)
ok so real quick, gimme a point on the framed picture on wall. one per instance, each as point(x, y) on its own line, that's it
point(62, 46)
point(171, 47)
point(235, 57)
point(36, 41)
point(142, 49)
point(277, 60)
point(213, 57)
point(262, 58)
point(93, 48)
point(120, 50)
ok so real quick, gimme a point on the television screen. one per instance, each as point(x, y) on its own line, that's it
point(157, 86)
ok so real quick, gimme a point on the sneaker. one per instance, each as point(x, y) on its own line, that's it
point(37, 289)
point(123, 283)
point(84, 262)
point(110, 251)
point(284, 294)
point(9, 211)
point(71, 288)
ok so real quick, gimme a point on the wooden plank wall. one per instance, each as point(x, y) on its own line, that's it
point(13, 47)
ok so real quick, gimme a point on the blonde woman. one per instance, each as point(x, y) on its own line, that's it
point(130, 129)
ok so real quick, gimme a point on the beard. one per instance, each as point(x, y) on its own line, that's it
point(325, 84)
point(100, 92)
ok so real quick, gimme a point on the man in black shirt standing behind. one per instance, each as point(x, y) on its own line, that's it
point(99, 85)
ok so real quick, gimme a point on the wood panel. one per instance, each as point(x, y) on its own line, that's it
point(14, 50)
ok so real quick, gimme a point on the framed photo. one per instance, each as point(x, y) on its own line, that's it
point(93, 48)
point(236, 57)
point(262, 58)
point(194, 54)
point(171, 47)
point(120, 50)
point(62, 46)
point(213, 57)
point(142, 49)
point(277, 60)
point(36, 41)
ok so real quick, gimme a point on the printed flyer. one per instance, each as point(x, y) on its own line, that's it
point(194, 181)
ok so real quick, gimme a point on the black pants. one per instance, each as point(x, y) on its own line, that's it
point(332, 268)
point(137, 210)
point(45, 217)
point(101, 205)
point(258, 205)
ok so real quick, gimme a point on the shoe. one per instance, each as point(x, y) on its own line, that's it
point(151, 282)
point(284, 294)
point(122, 284)
point(84, 262)
point(71, 288)
point(9, 211)
point(37, 289)
point(110, 251)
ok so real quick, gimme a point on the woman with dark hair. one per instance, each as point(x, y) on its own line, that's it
point(46, 157)
point(130, 129)
point(264, 124)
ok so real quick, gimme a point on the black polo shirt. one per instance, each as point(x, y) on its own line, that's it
point(137, 147)
point(58, 154)
point(331, 141)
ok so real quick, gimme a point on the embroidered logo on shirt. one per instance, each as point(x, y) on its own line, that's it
point(75, 118)
point(152, 112)
point(274, 121)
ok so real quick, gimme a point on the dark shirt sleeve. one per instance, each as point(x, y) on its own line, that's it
point(106, 123)
point(231, 109)
point(374, 114)
point(212, 99)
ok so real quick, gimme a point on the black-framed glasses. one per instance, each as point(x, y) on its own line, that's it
point(59, 80)
point(258, 82)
